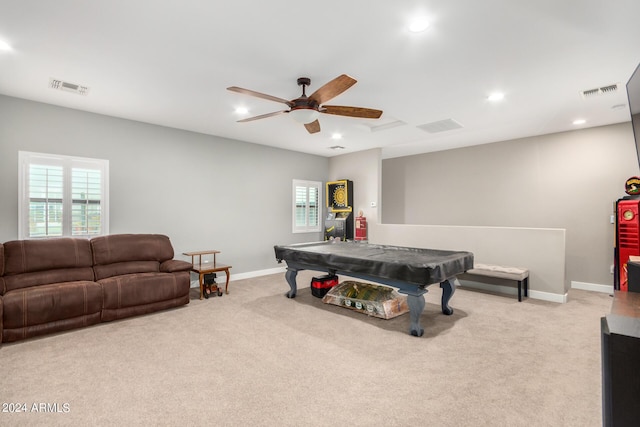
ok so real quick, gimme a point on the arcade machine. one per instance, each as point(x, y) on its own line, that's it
point(339, 221)
point(627, 231)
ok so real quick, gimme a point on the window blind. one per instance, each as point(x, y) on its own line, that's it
point(62, 196)
point(306, 206)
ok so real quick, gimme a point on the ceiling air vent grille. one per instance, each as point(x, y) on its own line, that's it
point(604, 90)
point(68, 87)
point(384, 123)
point(440, 126)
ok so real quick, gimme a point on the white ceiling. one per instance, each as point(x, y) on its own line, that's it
point(169, 62)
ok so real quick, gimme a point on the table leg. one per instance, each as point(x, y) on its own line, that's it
point(448, 288)
point(201, 285)
point(290, 275)
point(226, 286)
point(416, 307)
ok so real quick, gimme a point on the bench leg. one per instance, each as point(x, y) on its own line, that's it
point(526, 288)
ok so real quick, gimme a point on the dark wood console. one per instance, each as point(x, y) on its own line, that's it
point(621, 361)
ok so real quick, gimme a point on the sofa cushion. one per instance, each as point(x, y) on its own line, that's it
point(25, 256)
point(142, 288)
point(121, 268)
point(131, 247)
point(1, 317)
point(18, 281)
point(51, 303)
point(124, 293)
point(1, 261)
point(2, 290)
point(173, 265)
point(41, 262)
point(119, 254)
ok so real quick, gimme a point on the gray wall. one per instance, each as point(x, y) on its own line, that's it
point(364, 169)
point(568, 180)
point(204, 192)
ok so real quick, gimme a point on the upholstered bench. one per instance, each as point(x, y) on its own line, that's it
point(520, 275)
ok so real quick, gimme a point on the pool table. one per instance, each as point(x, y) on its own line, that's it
point(410, 270)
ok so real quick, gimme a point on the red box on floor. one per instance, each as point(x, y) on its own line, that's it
point(321, 285)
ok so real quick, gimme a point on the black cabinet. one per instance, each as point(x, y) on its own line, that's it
point(621, 361)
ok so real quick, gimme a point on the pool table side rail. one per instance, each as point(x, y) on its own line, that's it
point(422, 267)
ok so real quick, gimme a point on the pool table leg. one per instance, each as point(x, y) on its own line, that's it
point(448, 288)
point(416, 307)
point(290, 275)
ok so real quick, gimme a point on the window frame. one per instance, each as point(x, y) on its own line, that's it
point(68, 163)
point(307, 228)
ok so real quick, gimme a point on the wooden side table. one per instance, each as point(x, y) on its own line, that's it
point(206, 268)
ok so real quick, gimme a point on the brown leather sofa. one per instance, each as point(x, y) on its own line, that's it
point(58, 284)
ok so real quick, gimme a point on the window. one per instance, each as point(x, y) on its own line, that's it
point(306, 206)
point(62, 196)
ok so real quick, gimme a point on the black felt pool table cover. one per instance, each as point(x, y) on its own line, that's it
point(412, 265)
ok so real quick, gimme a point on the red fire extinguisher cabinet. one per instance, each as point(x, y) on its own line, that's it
point(361, 227)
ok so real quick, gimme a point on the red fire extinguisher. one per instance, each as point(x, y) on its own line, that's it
point(361, 227)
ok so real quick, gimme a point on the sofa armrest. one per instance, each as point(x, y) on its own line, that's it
point(173, 265)
point(1, 317)
point(2, 292)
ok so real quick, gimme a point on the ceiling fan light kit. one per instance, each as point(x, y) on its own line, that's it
point(307, 109)
point(304, 115)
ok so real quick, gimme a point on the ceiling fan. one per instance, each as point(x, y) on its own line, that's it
point(306, 109)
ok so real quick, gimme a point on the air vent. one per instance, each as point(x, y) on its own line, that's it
point(68, 87)
point(384, 123)
point(604, 90)
point(440, 126)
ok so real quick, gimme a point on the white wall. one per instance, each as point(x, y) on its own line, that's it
point(568, 180)
point(542, 251)
point(364, 169)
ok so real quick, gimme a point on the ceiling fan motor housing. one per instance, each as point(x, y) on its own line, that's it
point(304, 81)
point(304, 102)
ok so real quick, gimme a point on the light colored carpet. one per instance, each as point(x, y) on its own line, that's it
point(255, 357)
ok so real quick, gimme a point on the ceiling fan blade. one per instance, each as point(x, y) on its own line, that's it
point(263, 116)
point(332, 89)
point(366, 113)
point(259, 95)
point(313, 127)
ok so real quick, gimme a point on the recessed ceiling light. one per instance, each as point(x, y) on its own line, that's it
point(336, 136)
point(579, 121)
point(619, 107)
point(418, 25)
point(496, 96)
point(241, 110)
point(4, 46)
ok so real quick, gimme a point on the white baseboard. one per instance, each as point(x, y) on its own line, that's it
point(607, 289)
point(507, 290)
point(221, 277)
point(548, 296)
point(257, 273)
